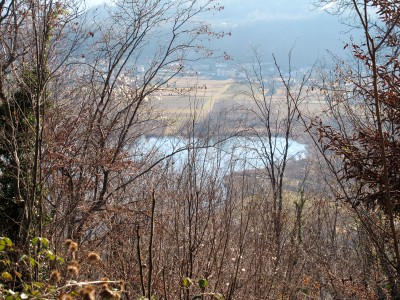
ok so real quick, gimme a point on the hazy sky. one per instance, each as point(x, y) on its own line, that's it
point(96, 2)
point(277, 6)
point(238, 12)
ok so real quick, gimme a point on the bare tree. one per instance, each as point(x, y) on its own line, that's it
point(274, 129)
point(32, 34)
point(358, 136)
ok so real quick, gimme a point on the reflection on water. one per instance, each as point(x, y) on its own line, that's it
point(233, 154)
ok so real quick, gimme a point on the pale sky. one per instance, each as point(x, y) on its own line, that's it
point(232, 3)
point(96, 2)
point(254, 10)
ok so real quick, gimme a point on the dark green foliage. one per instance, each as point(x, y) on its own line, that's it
point(17, 123)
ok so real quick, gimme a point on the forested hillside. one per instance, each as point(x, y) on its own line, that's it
point(126, 175)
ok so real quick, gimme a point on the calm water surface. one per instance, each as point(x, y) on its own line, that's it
point(234, 154)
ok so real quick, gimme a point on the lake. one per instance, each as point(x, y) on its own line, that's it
point(234, 154)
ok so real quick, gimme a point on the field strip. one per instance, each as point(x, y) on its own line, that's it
point(221, 93)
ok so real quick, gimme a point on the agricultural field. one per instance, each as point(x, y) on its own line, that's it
point(201, 99)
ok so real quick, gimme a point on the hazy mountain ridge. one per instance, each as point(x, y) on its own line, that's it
point(277, 27)
point(274, 27)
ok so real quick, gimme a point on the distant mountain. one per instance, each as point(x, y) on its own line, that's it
point(240, 12)
point(278, 26)
point(275, 26)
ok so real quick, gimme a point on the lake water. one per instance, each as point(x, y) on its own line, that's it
point(235, 154)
